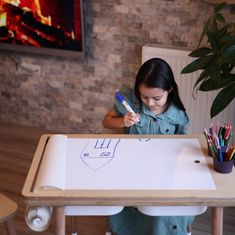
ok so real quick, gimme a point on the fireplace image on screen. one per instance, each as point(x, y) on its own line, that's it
point(41, 24)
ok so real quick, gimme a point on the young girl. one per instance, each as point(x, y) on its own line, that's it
point(158, 110)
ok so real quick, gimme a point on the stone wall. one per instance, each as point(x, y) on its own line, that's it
point(72, 95)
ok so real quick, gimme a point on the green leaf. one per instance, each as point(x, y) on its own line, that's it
point(210, 85)
point(219, 17)
point(204, 31)
point(197, 64)
point(227, 56)
point(224, 30)
point(203, 76)
point(213, 76)
point(226, 68)
point(213, 27)
point(212, 38)
point(220, 6)
point(228, 39)
point(222, 100)
point(199, 52)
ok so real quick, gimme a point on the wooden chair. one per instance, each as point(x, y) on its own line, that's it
point(8, 209)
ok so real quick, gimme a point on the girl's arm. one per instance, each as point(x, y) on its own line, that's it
point(113, 121)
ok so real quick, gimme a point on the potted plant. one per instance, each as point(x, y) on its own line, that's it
point(216, 60)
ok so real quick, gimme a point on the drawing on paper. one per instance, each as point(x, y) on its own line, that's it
point(144, 139)
point(98, 152)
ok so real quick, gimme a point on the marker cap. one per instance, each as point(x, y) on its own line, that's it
point(119, 97)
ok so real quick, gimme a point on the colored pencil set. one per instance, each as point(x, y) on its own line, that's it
point(218, 139)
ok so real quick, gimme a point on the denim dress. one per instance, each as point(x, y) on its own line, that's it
point(130, 221)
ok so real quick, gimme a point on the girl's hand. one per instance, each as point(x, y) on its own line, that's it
point(130, 119)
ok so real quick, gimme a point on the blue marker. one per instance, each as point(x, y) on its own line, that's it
point(121, 99)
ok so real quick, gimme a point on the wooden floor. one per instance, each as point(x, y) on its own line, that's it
point(17, 146)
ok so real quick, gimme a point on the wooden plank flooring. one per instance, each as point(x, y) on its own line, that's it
point(17, 146)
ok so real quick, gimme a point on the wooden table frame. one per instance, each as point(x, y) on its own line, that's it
point(223, 196)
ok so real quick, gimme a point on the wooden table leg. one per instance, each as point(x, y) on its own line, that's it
point(74, 225)
point(59, 220)
point(217, 220)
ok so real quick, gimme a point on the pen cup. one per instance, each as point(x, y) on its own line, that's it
point(223, 167)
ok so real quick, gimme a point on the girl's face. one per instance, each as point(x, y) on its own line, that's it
point(154, 98)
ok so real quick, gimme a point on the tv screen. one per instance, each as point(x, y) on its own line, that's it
point(52, 27)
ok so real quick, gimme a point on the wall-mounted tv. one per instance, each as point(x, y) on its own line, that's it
point(52, 27)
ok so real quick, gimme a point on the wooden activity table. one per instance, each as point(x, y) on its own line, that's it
point(222, 196)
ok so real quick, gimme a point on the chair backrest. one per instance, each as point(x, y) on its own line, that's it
point(8, 208)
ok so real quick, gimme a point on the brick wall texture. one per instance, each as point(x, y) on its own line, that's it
point(72, 95)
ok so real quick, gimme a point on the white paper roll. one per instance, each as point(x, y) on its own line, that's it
point(38, 218)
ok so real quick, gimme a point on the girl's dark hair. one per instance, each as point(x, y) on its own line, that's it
point(157, 73)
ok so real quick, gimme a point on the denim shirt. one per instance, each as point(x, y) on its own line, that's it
point(172, 121)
